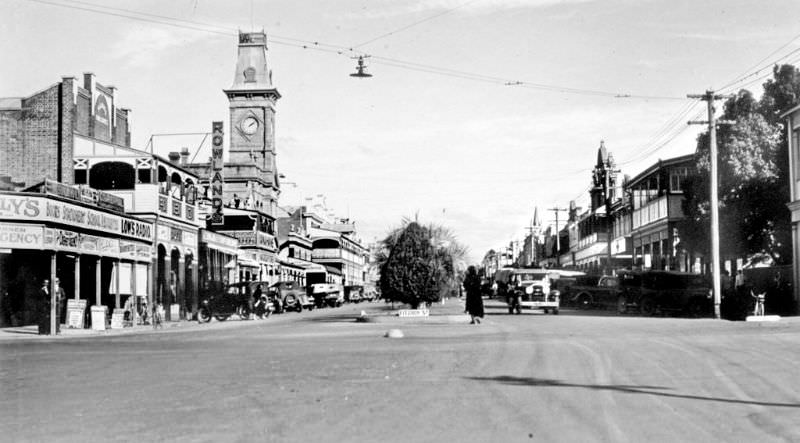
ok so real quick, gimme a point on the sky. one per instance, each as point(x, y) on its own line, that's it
point(478, 112)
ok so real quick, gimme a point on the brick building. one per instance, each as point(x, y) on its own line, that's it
point(37, 132)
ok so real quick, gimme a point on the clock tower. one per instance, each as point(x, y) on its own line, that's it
point(252, 99)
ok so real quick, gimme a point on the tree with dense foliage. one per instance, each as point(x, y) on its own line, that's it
point(419, 264)
point(753, 176)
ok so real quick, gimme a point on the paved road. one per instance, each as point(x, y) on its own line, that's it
point(319, 376)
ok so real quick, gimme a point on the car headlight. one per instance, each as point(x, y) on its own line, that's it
point(529, 290)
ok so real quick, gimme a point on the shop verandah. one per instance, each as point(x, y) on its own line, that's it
point(91, 279)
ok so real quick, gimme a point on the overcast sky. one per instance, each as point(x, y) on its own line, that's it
point(436, 132)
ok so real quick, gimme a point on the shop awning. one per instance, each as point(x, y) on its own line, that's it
point(247, 263)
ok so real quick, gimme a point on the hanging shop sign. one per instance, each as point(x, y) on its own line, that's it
point(20, 207)
point(217, 164)
point(18, 236)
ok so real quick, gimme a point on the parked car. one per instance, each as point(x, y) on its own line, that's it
point(291, 295)
point(354, 296)
point(594, 291)
point(236, 298)
point(329, 294)
point(666, 291)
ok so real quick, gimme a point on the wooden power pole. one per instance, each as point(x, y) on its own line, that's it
point(709, 97)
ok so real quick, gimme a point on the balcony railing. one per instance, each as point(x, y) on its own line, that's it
point(666, 207)
point(326, 253)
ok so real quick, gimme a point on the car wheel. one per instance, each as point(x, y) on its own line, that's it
point(584, 301)
point(221, 317)
point(622, 304)
point(203, 315)
point(244, 312)
point(555, 311)
point(290, 301)
point(546, 311)
point(647, 306)
point(299, 307)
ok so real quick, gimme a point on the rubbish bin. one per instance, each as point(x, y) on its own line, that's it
point(99, 317)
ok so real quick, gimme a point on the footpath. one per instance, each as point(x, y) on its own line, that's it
point(451, 311)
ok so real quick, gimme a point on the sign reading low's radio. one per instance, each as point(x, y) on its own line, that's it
point(18, 207)
point(216, 180)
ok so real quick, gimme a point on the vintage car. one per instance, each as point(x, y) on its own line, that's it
point(594, 291)
point(221, 303)
point(661, 292)
point(531, 289)
point(291, 296)
point(329, 294)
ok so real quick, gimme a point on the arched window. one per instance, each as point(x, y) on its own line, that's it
point(177, 185)
point(163, 182)
point(112, 175)
point(191, 191)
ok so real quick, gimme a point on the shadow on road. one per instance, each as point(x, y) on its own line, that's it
point(651, 390)
point(336, 318)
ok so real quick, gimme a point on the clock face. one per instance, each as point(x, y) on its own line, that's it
point(249, 125)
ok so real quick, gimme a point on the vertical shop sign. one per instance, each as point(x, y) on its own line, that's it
point(216, 179)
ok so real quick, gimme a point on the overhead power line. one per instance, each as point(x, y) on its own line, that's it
point(339, 50)
point(747, 72)
point(413, 24)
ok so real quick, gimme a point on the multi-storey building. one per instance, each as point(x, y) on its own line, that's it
point(70, 232)
point(656, 194)
point(250, 175)
point(792, 117)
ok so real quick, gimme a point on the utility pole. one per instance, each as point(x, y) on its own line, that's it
point(709, 97)
point(558, 236)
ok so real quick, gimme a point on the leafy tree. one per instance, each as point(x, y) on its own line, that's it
point(753, 176)
point(420, 264)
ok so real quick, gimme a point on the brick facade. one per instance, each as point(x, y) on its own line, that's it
point(36, 132)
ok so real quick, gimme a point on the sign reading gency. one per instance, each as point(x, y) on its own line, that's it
point(216, 179)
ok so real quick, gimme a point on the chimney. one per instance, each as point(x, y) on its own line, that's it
point(88, 82)
point(174, 157)
point(184, 156)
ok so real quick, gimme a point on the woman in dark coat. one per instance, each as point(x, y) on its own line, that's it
point(474, 305)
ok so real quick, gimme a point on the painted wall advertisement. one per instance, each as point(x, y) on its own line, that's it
point(20, 207)
point(18, 236)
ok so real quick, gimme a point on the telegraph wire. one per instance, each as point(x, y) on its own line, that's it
point(413, 24)
point(745, 75)
point(339, 50)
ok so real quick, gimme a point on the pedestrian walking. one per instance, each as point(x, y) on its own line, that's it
point(474, 304)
